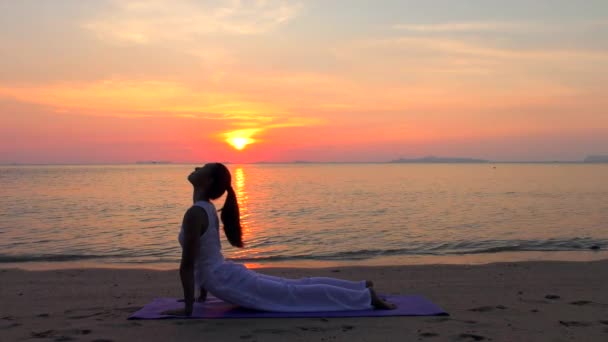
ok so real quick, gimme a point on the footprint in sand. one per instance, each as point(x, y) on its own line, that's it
point(84, 309)
point(488, 308)
point(470, 337)
point(87, 315)
point(99, 311)
point(343, 328)
point(314, 329)
point(11, 325)
point(581, 302)
point(428, 334)
point(43, 334)
point(574, 323)
point(64, 335)
point(81, 313)
point(63, 339)
point(271, 331)
point(189, 322)
point(127, 309)
point(438, 320)
point(482, 309)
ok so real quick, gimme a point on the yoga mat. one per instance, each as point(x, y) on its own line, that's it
point(216, 308)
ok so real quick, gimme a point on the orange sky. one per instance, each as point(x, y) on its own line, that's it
point(122, 81)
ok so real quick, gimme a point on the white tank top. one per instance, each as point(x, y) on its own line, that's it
point(210, 250)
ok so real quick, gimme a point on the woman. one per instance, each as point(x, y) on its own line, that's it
point(203, 263)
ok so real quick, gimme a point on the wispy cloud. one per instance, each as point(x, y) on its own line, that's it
point(474, 26)
point(244, 117)
point(143, 98)
point(526, 27)
point(469, 47)
point(181, 20)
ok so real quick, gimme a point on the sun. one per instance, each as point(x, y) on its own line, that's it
point(239, 142)
point(241, 138)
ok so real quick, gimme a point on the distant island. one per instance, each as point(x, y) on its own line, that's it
point(153, 162)
point(590, 159)
point(294, 162)
point(433, 159)
point(596, 159)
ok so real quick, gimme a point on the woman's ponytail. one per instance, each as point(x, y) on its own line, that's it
point(231, 219)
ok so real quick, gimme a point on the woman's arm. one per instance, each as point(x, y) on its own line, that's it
point(194, 225)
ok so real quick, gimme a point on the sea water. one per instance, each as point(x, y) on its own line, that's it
point(309, 214)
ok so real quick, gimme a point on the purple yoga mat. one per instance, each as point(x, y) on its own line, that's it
point(216, 308)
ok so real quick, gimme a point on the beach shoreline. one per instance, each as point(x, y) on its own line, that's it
point(380, 261)
point(506, 301)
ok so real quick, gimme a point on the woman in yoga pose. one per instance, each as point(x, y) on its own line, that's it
point(203, 265)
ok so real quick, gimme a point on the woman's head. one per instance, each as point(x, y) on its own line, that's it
point(214, 180)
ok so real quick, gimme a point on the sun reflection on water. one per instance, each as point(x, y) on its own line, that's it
point(240, 181)
point(243, 198)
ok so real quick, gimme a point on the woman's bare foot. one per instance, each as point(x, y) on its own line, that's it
point(379, 303)
point(369, 283)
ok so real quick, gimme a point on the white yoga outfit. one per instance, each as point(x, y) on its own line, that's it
point(234, 283)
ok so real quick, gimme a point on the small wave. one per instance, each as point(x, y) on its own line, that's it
point(51, 257)
point(450, 248)
point(415, 248)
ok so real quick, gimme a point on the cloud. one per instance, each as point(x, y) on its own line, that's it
point(494, 41)
point(163, 100)
point(473, 66)
point(470, 47)
point(474, 26)
point(525, 27)
point(144, 22)
point(141, 98)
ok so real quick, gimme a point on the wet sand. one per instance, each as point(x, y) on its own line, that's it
point(523, 301)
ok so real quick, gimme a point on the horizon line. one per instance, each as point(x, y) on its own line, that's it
point(313, 162)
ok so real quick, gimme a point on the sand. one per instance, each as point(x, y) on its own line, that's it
point(525, 301)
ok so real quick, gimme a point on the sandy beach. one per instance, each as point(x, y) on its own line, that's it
point(525, 301)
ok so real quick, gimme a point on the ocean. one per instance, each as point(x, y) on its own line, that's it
point(309, 214)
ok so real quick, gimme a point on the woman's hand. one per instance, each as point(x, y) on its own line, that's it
point(203, 297)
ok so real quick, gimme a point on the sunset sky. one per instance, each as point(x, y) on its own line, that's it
point(124, 81)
